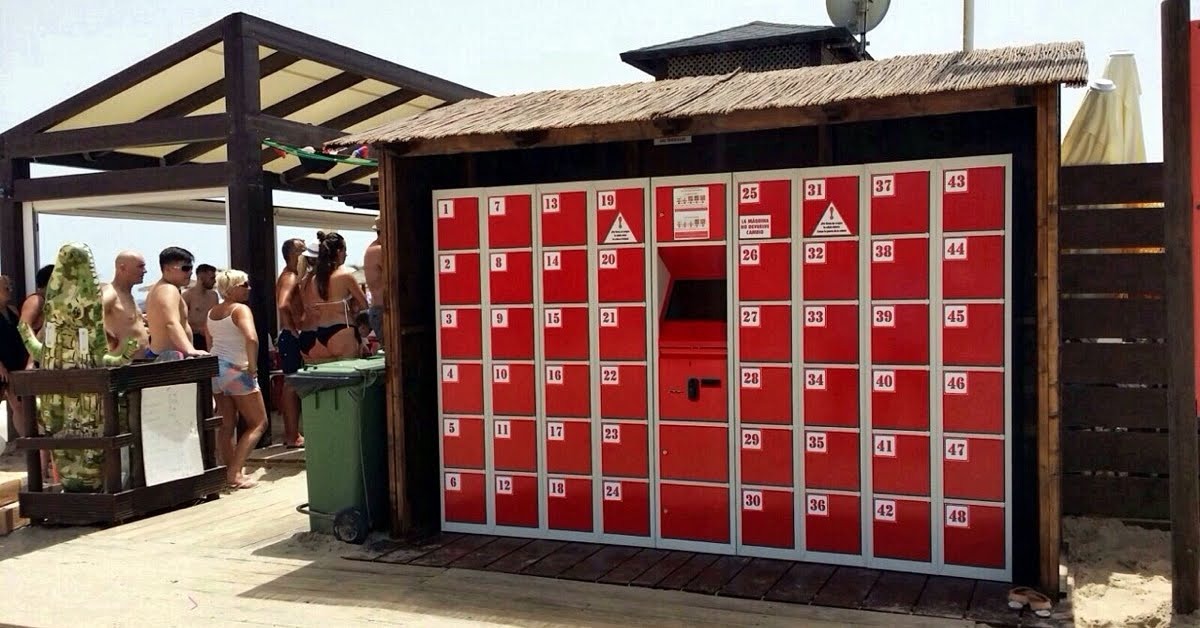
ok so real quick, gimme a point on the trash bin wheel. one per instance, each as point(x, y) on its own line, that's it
point(350, 526)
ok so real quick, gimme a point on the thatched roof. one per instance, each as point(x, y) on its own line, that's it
point(819, 86)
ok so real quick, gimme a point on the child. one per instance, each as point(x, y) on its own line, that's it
point(367, 341)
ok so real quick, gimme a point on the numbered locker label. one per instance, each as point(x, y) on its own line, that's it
point(551, 204)
point(954, 316)
point(885, 510)
point(499, 319)
point(445, 208)
point(451, 428)
point(816, 442)
point(955, 383)
point(748, 193)
point(504, 485)
point(554, 376)
point(814, 316)
point(611, 433)
point(883, 381)
point(608, 260)
point(554, 318)
point(608, 317)
point(502, 429)
point(447, 264)
point(955, 249)
point(496, 206)
point(751, 316)
point(752, 500)
point(814, 253)
point(958, 516)
point(752, 439)
point(610, 376)
point(449, 319)
point(954, 181)
point(450, 373)
point(885, 446)
point(817, 505)
point(556, 488)
point(814, 190)
point(883, 185)
point(883, 316)
point(883, 251)
point(814, 379)
point(453, 482)
point(556, 431)
point(750, 255)
point(552, 260)
point(612, 491)
point(501, 374)
point(606, 199)
point(500, 262)
point(751, 377)
point(956, 449)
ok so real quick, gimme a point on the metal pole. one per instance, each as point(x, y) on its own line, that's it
point(968, 25)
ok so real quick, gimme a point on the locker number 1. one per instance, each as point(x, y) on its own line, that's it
point(499, 262)
point(500, 374)
point(449, 319)
point(502, 429)
point(751, 377)
point(453, 482)
point(608, 317)
point(750, 255)
point(608, 260)
point(955, 384)
point(883, 316)
point(557, 488)
point(611, 433)
point(955, 316)
point(610, 375)
point(549, 203)
point(606, 200)
point(552, 260)
point(553, 317)
point(817, 505)
point(752, 439)
point(499, 319)
point(956, 449)
point(446, 264)
point(503, 485)
point(445, 208)
point(752, 500)
point(814, 379)
point(956, 249)
point(750, 316)
point(814, 316)
point(450, 373)
point(555, 431)
point(451, 428)
point(816, 442)
point(496, 206)
point(885, 510)
point(814, 190)
point(612, 491)
point(748, 193)
point(883, 381)
point(954, 181)
point(957, 516)
point(883, 185)
point(814, 253)
point(883, 251)
point(554, 375)
point(885, 446)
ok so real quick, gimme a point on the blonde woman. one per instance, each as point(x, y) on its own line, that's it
point(232, 338)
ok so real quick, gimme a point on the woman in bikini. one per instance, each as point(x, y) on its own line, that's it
point(232, 338)
point(332, 298)
point(13, 356)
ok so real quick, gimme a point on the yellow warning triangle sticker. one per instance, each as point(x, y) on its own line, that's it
point(831, 223)
point(619, 232)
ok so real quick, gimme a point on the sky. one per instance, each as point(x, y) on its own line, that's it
point(51, 50)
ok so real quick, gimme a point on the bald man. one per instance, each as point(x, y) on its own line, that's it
point(122, 318)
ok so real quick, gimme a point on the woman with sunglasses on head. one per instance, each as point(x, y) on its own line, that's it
point(233, 339)
point(332, 298)
point(13, 356)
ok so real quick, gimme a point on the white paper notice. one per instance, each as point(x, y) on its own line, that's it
point(620, 233)
point(754, 227)
point(170, 440)
point(691, 213)
point(831, 223)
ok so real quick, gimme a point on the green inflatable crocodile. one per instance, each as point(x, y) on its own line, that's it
point(73, 335)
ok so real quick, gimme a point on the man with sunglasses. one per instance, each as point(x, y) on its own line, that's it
point(166, 312)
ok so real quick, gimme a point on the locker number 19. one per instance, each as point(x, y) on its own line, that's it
point(817, 505)
point(606, 200)
point(752, 500)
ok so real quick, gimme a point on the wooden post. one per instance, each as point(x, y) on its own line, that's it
point(389, 205)
point(1180, 220)
point(12, 238)
point(1049, 455)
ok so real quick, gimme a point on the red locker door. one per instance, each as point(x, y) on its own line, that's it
point(624, 450)
point(767, 519)
point(900, 202)
point(711, 404)
point(901, 529)
point(831, 270)
point(973, 199)
point(765, 333)
point(623, 332)
point(462, 443)
point(831, 397)
point(465, 497)
point(514, 444)
point(832, 523)
point(830, 206)
point(620, 216)
point(623, 391)
point(900, 333)
point(458, 278)
point(765, 394)
point(690, 212)
point(974, 535)
point(766, 456)
point(765, 271)
point(517, 500)
point(831, 333)
point(509, 221)
point(566, 332)
point(512, 333)
point(973, 334)
point(900, 399)
point(620, 275)
point(973, 267)
point(513, 389)
point(569, 504)
point(626, 507)
point(764, 209)
point(900, 464)
point(457, 223)
point(511, 277)
point(973, 401)
point(831, 460)
point(569, 447)
point(973, 468)
point(568, 390)
point(900, 268)
point(694, 512)
point(564, 276)
point(461, 333)
point(694, 452)
point(564, 218)
point(462, 388)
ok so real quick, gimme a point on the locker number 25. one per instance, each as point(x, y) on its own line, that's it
point(748, 193)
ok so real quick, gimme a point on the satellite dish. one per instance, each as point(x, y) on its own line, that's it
point(858, 16)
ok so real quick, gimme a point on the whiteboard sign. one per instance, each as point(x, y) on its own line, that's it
point(170, 437)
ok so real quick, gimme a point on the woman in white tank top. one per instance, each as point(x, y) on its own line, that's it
point(233, 339)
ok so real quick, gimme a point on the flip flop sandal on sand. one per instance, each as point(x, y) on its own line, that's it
point(1038, 603)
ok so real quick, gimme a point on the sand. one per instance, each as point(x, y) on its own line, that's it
point(1122, 575)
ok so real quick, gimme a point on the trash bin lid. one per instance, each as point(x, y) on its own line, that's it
point(339, 374)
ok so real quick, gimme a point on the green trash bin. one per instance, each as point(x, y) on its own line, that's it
point(345, 446)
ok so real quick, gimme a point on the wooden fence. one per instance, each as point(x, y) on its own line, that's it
point(1113, 341)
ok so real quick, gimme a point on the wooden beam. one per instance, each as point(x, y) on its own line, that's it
point(215, 90)
point(367, 111)
point(185, 177)
point(350, 60)
point(113, 136)
point(736, 122)
point(390, 206)
point(350, 176)
point(101, 161)
point(164, 59)
point(12, 226)
point(291, 132)
point(1111, 183)
point(1049, 455)
point(1181, 224)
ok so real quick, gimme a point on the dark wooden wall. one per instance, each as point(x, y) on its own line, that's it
point(1114, 353)
point(959, 135)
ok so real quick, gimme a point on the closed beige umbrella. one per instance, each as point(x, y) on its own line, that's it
point(1122, 71)
point(1095, 135)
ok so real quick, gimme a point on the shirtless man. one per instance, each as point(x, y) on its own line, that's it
point(122, 318)
point(373, 270)
point(291, 314)
point(170, 334)
point(200, 298)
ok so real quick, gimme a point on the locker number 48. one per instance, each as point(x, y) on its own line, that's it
point(957, 516)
